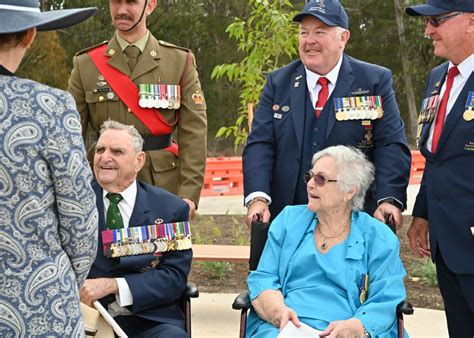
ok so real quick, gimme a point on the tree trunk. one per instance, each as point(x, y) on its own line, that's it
point(411, 123)
point(250, 115)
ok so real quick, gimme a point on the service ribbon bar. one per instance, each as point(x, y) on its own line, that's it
point(146, 239)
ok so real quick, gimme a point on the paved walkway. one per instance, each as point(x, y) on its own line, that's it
point(213, 316)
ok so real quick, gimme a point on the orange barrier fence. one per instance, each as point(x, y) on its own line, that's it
point(223, 177)
point(417, 167)
point(224, 174)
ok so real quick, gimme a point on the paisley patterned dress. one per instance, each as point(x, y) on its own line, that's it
point(48, 217)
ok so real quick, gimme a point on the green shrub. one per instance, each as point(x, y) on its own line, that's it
point(215, 270)
point(425, 269)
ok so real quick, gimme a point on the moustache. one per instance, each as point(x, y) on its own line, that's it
point(123, 17)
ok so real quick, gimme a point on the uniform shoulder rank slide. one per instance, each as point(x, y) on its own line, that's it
point(469, 112)
point(163, 96)
point(146, 239)
point(358, 108)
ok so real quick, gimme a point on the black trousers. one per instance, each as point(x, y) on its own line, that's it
point(136, 327)
point(457, 291)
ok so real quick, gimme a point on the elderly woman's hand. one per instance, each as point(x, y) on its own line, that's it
point(350, 328)
point(283, 316)
point(271, 307)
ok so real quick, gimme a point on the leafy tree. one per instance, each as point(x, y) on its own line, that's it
point(46, 61)
point(268, 39)
point(375, 38)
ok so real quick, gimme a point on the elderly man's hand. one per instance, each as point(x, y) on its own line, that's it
point(192, 208)
point(350, 328)
point(385, 209)
point(257, 211)
point(418, 237)
point(94, 289)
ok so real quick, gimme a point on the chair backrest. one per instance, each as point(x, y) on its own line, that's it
point(258, 238)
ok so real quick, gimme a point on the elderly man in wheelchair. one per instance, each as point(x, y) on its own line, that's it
point(329, 265)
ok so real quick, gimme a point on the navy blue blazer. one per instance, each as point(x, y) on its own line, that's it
point(272, 155)
point(446, 196)
point(154, 290)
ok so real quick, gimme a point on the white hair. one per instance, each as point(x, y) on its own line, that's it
point(354, 171)
point(137, 138)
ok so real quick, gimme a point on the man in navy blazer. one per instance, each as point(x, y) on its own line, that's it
point(444, 206)
point(140, 291)
point(291, 122)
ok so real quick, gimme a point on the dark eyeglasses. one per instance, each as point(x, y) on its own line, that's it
point(319, 179)
point(435, 21)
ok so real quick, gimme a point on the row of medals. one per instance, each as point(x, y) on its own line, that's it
point(148, 247)
point(359, 114)
point(159, 96)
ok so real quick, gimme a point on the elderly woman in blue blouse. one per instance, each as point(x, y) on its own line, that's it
point(328, 264)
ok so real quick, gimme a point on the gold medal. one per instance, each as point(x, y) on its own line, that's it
point(468, 115)
point(379, 113)
point(340, 116)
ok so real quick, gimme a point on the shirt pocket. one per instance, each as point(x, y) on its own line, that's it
point(102, 106)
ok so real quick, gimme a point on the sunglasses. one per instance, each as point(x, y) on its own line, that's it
point(435, 21)
point(319, 179)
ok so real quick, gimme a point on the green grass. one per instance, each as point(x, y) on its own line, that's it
point(424, 269)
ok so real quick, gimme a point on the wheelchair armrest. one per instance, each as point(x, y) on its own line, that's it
point(405, 308)
point(191, 290)
point(242, 301)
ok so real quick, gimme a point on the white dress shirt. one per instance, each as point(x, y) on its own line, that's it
point(312, 81)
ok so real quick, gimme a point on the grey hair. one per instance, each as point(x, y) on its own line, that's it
point(353, 171)
point(137, 138)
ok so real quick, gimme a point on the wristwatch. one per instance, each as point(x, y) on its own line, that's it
point(392, 201)
point(257, 199)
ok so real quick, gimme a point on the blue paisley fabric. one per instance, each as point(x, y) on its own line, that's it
point(48, 217)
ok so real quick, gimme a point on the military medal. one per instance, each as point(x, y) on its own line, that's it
point(338, 106)
point(159, 96)
point(363, 288)
point(156, 238)
point(469, 113)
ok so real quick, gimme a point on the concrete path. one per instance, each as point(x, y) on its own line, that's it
point(213, 316)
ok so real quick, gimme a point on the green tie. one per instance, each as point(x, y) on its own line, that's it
point(114, 218)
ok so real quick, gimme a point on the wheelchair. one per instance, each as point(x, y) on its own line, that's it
point(184, 302)
point(258, 237)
